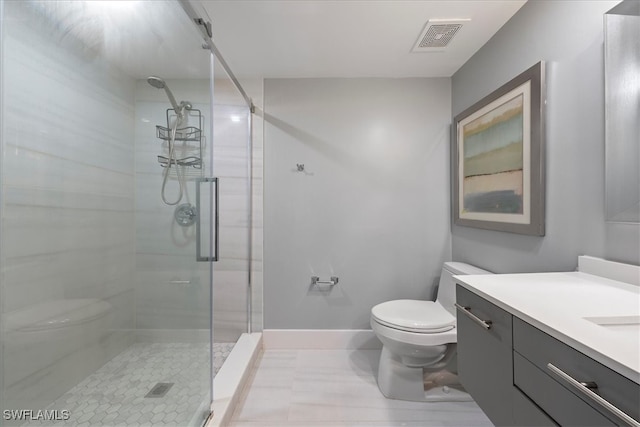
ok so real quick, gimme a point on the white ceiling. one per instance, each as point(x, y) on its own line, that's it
point(333, 38)
point(275, 38)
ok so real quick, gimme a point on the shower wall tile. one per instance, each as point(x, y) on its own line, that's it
point(27, 168)
point(68, 218)
point(230, 304)
point(35, 230)
point(172, 289)
point(231, 290)
point(172, 292)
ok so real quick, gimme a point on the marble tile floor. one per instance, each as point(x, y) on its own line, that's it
point(312, 388)
point(114, 395)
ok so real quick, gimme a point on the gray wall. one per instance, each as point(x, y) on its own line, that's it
point(371, 206)
point(569, 36)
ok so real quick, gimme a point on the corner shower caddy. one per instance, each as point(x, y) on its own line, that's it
point(185, 134)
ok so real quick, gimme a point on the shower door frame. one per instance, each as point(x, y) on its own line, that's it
point(2, 298)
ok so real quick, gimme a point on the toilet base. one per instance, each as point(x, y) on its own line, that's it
point(444, 386)
point(447, 394)
point(400, 382)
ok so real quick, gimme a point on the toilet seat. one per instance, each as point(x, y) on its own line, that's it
point(424, 317)
point(414, 338)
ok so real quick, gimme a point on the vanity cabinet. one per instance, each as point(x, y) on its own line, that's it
point(484, 354)
point(521, 376)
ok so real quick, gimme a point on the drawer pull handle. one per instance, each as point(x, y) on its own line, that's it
point(586, 390)
point(467, 310)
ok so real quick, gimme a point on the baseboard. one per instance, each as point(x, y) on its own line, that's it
point(327, 339)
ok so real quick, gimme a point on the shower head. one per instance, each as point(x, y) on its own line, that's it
point(158, 83)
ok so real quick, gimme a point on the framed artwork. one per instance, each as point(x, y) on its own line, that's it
point(498, 158)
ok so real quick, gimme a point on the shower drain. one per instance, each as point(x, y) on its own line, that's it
point(159, 390)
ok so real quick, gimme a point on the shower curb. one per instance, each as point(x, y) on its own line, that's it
point(232, 377)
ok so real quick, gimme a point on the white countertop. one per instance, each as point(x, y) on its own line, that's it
point(558, 303)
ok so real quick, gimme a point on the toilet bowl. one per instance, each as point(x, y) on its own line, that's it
point(419, 336)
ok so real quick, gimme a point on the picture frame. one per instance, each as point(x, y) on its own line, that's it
point(498, 158)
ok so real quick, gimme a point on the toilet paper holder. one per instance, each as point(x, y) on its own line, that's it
point(315, 280)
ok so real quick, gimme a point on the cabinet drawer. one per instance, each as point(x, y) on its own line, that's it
point(558, 402)
point(484, 356)
point(540, 349)
point(526, 413)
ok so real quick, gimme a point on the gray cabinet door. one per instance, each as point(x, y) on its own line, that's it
point(485, 364)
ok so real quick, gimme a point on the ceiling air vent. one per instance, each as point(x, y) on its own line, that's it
point(437, 34)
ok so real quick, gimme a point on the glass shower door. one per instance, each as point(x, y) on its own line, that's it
point(105, 121)
point(174, 257)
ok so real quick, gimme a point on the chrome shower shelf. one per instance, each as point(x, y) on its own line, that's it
point(187, 161)
point(190, 133)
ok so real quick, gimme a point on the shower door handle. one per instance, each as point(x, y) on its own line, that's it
point(215, 199)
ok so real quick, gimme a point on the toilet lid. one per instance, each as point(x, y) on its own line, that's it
point(414, 316)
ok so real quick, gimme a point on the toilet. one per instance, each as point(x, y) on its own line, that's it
point(419, 337)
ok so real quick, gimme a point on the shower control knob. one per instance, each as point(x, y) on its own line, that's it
point(185, 214)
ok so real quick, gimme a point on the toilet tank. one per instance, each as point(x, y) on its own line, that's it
point(447, 286)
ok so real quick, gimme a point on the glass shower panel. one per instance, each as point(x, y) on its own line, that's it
point(231, 156)
point(105, 311)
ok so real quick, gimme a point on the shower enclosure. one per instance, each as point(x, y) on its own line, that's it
point(125, 242)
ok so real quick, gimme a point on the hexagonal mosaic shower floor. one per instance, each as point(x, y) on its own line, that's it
point(114, 395)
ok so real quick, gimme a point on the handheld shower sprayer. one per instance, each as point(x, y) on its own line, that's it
point(181, 117)
point(159, 83)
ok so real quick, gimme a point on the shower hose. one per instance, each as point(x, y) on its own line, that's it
point(173, 159)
